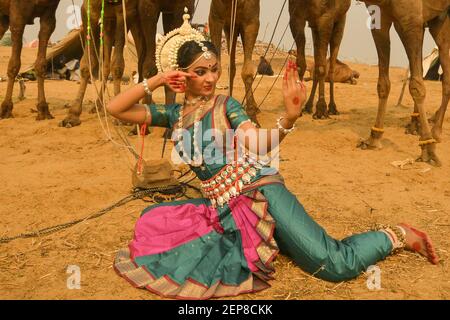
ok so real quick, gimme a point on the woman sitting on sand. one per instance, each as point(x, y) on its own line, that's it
point(224, 244)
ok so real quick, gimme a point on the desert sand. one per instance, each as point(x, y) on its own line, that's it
point(51, 175)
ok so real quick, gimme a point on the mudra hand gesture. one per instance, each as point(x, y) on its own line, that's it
point(294, 92)
point(175, 80)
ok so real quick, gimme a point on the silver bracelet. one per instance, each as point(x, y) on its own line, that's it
point(284, 130)
point(146, 88)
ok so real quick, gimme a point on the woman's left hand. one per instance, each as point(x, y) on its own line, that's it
point(294, 92)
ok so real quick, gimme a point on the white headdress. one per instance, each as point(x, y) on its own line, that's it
point(168, 46)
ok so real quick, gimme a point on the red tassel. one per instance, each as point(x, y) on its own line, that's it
point(143, 131)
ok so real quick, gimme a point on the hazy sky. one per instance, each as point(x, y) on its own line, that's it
point(357, 44)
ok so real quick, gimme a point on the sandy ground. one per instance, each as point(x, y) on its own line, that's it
point(51, 175)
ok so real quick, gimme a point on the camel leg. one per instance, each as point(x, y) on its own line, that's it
point(321, 36)
point(441, 34)
point(13, 68)
point(310, 103)
point(118, 61)
point(309, 106)
point(232, 54)
point(248, 35)
point(298, 29)
point(149, 15)
point(336, 38)
point(48, 23)
point(413, 127)
point(73, 117)
point(412, 38)
point(297, 24)
point(216, 24)
point(88, 60)
point(382, 41)
point(22, 88)
point(136, 31)
point(4, 25)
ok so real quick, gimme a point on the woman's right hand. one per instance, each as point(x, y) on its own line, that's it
point(175, 80)
point(294, 92)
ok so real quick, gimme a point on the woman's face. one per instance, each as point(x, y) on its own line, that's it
point(207, 73)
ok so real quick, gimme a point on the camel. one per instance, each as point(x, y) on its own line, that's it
point(247, 26)
point(342, 72)
point(327, 22)
point(172, 15)
point(409, 18)
point(16, 15)
point(264, 67)
point(114, 35)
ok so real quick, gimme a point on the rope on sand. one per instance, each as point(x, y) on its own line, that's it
point(157, 195)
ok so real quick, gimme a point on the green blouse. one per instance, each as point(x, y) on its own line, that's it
point(218, 124)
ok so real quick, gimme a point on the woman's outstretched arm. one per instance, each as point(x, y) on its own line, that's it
point(294, 93)
point(126, 107)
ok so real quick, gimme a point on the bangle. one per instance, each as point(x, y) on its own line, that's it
point(147, 113)
point(284, 130)
point(146, 88)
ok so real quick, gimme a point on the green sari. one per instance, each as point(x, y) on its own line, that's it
point(191, 250)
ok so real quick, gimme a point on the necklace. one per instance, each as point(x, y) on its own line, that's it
point(191, 102)
point(197, 159)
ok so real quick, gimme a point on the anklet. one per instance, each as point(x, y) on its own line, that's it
point(375, 129)
point(396, 233)
point(425, 142)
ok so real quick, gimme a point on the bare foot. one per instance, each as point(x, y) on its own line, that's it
point(420, 242)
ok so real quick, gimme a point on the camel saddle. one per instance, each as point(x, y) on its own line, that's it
point(157, 173)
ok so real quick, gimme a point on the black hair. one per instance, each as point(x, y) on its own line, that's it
point(190, 50)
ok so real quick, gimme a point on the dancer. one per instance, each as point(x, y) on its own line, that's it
point(224, 244)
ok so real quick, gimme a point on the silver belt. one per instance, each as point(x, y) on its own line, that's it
point(228, 182)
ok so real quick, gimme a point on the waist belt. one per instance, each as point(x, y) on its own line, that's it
point(228, 182)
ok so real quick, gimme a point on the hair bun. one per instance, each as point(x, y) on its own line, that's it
point(167, 48)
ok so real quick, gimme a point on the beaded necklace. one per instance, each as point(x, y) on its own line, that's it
point(197, 159)
point(193, 101)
